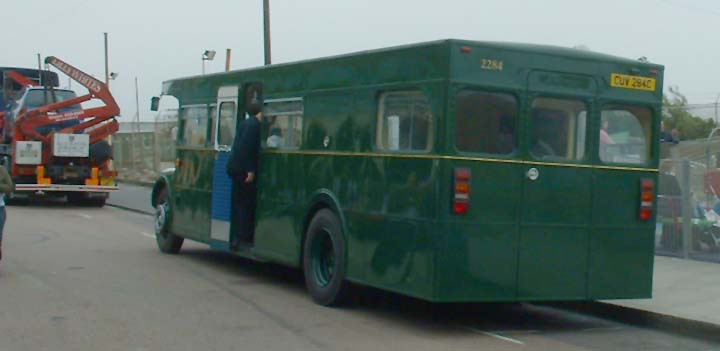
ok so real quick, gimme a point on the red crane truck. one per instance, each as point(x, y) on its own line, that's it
point(55, 148)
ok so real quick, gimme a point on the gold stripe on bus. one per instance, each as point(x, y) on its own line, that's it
point(457, 158)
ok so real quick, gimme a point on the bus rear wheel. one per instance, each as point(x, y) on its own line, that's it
point(167, 242)
point(324, 260)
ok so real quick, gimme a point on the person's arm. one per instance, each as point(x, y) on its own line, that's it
point(6, 184)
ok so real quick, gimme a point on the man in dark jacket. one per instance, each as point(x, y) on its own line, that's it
point(242, 168)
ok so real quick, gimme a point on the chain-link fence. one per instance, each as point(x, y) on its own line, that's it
point(143, 149)
point(688, 224)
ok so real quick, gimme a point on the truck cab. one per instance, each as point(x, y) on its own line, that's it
point(31, 98)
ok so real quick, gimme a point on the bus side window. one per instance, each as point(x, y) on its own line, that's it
point(195, 123)
point(283, 120)
point(226, 125)
point(486, 122)
point(405, 122)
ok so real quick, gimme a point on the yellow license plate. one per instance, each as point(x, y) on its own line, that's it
point(632, 82)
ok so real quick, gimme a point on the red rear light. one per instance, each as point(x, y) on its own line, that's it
point(647, 197)
point(461, 207)
point(461, 196)
point(645, 214)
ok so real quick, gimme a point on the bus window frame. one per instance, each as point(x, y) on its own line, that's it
point(519, 125)
point(434, 125)
point(654, 150)
point(591, 116)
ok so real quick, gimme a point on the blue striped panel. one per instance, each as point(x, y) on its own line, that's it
point(222, 188)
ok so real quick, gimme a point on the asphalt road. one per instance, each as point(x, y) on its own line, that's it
point(92, 279)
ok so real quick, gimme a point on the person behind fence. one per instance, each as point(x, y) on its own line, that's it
point(6, 187)
point(242, 169)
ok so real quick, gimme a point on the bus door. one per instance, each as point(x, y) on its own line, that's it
point(557, 188)
point(224, 135)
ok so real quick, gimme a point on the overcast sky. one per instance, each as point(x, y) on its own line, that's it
point(156, 40)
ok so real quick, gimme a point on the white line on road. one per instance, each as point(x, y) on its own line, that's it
point(148, 235)
point(496, 336)
point(84, 215)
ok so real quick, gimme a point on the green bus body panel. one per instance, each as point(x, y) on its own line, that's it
point(192, 188)
point(573, 234)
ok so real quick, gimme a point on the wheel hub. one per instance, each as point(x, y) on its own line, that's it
point(160, 218)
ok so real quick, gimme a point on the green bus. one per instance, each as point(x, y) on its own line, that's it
point(450, 171)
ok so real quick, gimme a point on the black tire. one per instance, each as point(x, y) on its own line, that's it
point(75, 198)
point(81, 199)
point(100, 152)
point(167, 242)
point(325, 260)
point(100, 202)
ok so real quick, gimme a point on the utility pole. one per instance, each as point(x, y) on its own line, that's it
point(137, 125)
point(266, 17)
point(716, 109)
point(40, 69)
point(107, 71)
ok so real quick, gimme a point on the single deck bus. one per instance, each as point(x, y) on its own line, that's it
point(451, 171)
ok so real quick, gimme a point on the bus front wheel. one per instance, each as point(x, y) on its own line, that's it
point(167, 242)
point(324, 260)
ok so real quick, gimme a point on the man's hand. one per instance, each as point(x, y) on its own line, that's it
point(250, 177)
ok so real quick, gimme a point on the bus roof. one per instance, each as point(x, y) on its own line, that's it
point(550, 50)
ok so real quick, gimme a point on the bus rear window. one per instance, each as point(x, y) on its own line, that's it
point(405, 122)
point(558, 129)
point(625, 134)
point(485, 122)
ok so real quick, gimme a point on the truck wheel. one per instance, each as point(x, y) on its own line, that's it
point(167, 242)
point(81, 199)
point(96, 202)
point(75, 198)
point(324, 260)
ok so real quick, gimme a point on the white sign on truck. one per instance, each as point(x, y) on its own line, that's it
point(28, 152)
point(71, 145)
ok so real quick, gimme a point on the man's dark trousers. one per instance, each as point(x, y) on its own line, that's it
point(245, 198)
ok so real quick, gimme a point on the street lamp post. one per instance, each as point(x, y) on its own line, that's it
point(208, 55)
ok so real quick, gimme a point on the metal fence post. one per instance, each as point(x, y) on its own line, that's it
point(686, 208)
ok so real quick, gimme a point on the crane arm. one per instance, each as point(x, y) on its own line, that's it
point(47, 115)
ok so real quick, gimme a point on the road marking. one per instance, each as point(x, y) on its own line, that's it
point(84, 215)
point(494, 335)
point(148, 235)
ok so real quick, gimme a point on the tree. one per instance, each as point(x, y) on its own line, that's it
point(676, 115)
